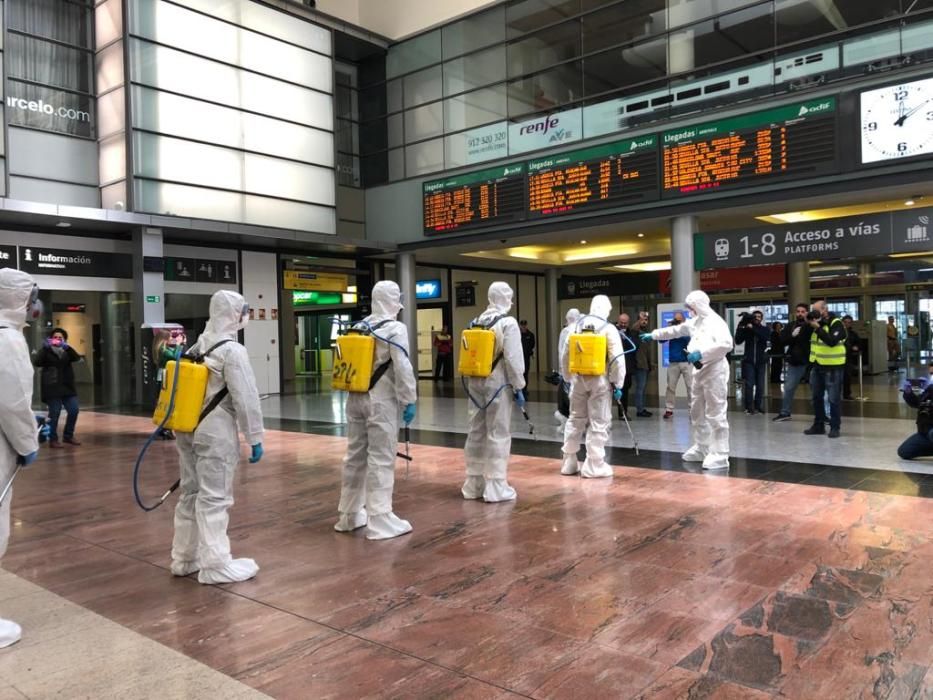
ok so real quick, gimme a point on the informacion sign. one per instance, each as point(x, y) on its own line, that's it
point(474, 200)
point(796, 140)
point(610, 175)
point(907, 231)
point(75, 263)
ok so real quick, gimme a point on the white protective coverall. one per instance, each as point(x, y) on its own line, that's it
point(209, 456)
point(591, 397)
point(17, 422)
point(490, 438)
point(710, 336)
point(372, 427)
point(573, 315)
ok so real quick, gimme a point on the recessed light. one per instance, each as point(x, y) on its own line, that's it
point(909, 203)
point(641, 235)
point(582, 242)
point(63, 224)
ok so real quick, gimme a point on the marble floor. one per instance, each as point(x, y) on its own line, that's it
point(657, 583)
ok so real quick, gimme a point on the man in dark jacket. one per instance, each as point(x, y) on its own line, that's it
point(55, 359)
point(796, 338)
point(919, 394)
point(528, 349)
point(853, 350)
point(630, 343)
point(755, 335)
point(644, 363)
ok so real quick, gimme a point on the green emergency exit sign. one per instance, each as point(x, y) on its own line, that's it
point(153, 299)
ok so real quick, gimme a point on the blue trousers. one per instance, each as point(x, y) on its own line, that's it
point(641, 386)
point(917, 445)
point(792, 376)
point(826, 382)
point(754, 377)
point(70, 404)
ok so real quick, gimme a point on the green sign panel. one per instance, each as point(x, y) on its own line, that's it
point(316, 298)
point(153, 299)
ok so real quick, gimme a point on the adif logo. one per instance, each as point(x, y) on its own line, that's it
point(511, 171)
point(918, 232)
point(815, 109)
point(722, 248)
point(803, 111)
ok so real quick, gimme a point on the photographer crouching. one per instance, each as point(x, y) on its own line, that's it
point(918, 393)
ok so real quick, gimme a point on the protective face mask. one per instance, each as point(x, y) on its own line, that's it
point(244, 317)
point(57, 342)
point(35, 307)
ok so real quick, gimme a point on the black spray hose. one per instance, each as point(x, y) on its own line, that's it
point(149, 441)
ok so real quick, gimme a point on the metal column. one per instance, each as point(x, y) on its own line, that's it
point(684, 278)
point(552, 317)
point(798, 285)
point(405, 265)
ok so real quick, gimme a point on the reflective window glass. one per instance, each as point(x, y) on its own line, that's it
point(168, 69)
point(397, 164)
point(423, 86)
point(49, 109)
point(373, 136)
point(373, 102)
point(474, 71)
point(268, 20)
point(346, 136)
point(176, 160)
point(110, 67)
point(476, 145)
point(474, 32)
point(112, 159)
point(108, 22)
point(427, 157)
point(424, 122)
point(418, 52)
point(545, 48)
point(527, 15)
point(546, 90)
point(618, 68)
point(49, 64)
point(798, 21)
point(111, 112)
point(680, 12)
point(175, 26)
point(396, 123)
point(393, 90)
point(621, 24)
point(730, 36)
point(374, 169)
point(475, 108)
point(348, 170)
point(204, 203)
point(62, 21)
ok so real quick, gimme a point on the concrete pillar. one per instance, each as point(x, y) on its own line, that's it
point(681, 54)
point(148, 293)
point(552, 320)
point(684, 279)
point(864, 280)
point(798, 285)
point(405, 267)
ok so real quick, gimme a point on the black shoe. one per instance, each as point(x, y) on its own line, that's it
point(644, 414)
point(780, 418)
point(749, 412)
point(815, 429)
point(833, 432)
point(848, 398)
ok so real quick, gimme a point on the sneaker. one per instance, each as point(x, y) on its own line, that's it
point(815, 429)
point(644, 414)
point(833, 432)
point(668, 414)
point(781, 417)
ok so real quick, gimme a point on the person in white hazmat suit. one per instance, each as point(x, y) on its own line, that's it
point(710, 342)
point(489, 441)
point(591, 396)
point(564, 389)
point(372, 426)
point(208, 457)
point(18, 442)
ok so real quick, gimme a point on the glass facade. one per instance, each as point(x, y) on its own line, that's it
point(459, 94)
point(233, 112)
point(49, 64)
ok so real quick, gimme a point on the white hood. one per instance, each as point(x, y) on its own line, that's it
point(699, 302)
point(572, 316)
point(601, 307)
point(500, 297)
point(15, 290)
point(387, 300)
point(226, 314)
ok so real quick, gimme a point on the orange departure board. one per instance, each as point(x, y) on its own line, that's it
point(609, 175)
point(474, 200)
point(796, 140)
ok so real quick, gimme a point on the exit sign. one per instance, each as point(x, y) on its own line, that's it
point(153, 299)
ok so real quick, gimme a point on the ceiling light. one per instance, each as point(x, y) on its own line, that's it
point(909, 203)
point(645, 266)
point(641, 235)
point(582, 242)
point(909, 255)
point(63, 224)
point(793, 217)
point(603, 252)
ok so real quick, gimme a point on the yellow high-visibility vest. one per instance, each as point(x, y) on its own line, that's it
point(827, 355)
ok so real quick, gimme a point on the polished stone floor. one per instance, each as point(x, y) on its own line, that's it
point(657, 583)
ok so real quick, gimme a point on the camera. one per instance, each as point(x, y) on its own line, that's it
point(814, 315)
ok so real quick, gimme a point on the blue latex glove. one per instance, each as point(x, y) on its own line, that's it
point(45, 430)
point(26, 460)
point(408, 415)
point(617, 394)
point(520, 399)
point(694, 356)
point(645, 337)
point(256, 454)
point(908, 387)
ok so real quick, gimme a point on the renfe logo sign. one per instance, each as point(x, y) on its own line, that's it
point(551, 130)
point(428, 289)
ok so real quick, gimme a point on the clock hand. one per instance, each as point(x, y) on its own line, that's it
point(903, 117)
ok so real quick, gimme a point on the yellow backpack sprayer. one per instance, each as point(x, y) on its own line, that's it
point(180, 408)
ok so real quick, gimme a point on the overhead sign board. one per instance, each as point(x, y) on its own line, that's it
point(428, 289)
point(74, 263)
point(8, 256)
point(475, 200)
point(314, 281)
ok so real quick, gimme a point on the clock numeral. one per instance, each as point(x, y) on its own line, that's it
point(902, 147)
point(871, 126)
point(900, 95)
